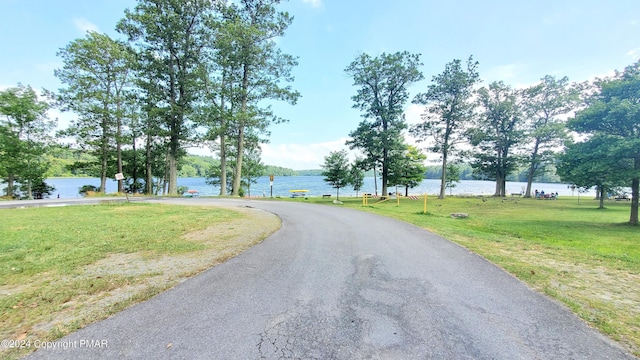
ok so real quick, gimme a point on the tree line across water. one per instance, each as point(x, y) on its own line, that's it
point(203, 73)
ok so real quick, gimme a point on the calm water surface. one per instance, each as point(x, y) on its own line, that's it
point(68, 187)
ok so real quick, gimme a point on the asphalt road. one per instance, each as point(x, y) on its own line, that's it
point(336, 283)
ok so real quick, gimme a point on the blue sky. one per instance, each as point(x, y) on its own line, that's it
point(517, 42)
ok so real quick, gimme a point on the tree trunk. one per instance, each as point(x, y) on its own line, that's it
point(103, 173)
point(385, 172)
point(443, 177)
point(237, 175)
point(532, 168)
point(29, 191)
point(375, 181)
point(119, 147)
point(237, 172)
point(601, 194)
point(134, 170)
point(500, 185)
point(173, 173)
point(104, 152)
point(10, 183)
point(635, 190)
point(223, 146)
point(223, 167)
point(148, 169)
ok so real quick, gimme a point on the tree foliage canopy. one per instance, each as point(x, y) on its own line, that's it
point(381, 93)
point(449, 108)
point(612, 111)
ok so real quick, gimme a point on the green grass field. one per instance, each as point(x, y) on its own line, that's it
point(49, 282)
point(585, 257)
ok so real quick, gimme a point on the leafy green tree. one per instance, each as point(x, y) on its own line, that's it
point(336, 170)
point(408, 168)
point(253, 168)
point(382, 92)
point(497, 132)
point(449, 109)
point(592, 163)
point(366, 138)
point(545, 105)
point(613, 109)
point(97, 72)
point(170, 37)
point(453, 176)
point(356, 177)
point(24, 135)
point(256, 68)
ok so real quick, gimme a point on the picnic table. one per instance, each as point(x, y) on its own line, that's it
point(299, 193)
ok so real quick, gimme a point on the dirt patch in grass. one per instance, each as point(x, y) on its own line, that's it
point(126, 279)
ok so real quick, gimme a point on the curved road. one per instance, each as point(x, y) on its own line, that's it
point(336, 283)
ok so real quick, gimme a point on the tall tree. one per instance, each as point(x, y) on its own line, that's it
point(24, 132)
point(449, 109)
point(170, 36)
point(498, 131)
point(255, 67)
point(545, 105)
point(613, 109)
point(382, 92)
point(97, 73)
point(336, 170)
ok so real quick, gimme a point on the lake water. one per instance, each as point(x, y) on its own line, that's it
point(68, 187)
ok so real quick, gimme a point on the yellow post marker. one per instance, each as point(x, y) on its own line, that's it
point(398, 197)
point(424, 211)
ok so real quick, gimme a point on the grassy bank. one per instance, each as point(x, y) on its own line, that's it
point(585, 257)
point(64, 267)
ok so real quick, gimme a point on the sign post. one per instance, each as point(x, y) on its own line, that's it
point(120, 177)
point(271, 185)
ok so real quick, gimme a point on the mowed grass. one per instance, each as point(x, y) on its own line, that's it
point(585, 257)
point(61, 240)
point(45, 254)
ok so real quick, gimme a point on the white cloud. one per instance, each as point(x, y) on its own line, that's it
point(313, 3)
point(413, 114)
point(634, 53)
point(84, 25)
point(301, 156)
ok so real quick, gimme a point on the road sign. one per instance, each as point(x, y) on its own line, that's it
point(271, 185)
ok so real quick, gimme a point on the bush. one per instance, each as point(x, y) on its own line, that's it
point(88, 190)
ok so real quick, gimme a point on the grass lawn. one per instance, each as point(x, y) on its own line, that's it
point(64, 267)
point(53, 261)
point(585, 257)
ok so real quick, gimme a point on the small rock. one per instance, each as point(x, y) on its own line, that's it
point(459, 215)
